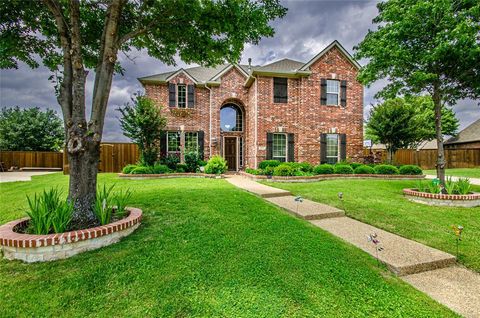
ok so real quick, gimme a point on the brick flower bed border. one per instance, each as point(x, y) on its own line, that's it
point(169, 175)
point(458, 200)
point(320, 177)
point(41, 248)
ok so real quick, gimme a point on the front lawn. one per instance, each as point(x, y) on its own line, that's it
point(205, 249)
point(381, 203)
point(458, 172)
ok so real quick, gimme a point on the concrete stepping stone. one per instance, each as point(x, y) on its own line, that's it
point(402, 256)
point(455, 287)
point(256, 188)
point(308, 210)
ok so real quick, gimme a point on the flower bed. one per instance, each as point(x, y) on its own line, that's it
point(169, 175)
point(319, 177)
point(439, 199)
point(42, 248)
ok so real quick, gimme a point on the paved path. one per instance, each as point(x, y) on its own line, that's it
point(475, 181)
point(427, 269)
point(20, 175)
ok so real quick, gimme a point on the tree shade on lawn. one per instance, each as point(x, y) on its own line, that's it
point(381, 203)
point(205, 248)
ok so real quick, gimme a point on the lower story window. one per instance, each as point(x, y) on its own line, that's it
point(173, 143)
point(332, 148)
point(280, 147)
point(191, 142)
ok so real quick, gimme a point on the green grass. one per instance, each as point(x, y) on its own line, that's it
point(205, 249)
point(458, 172)
point(381, 203)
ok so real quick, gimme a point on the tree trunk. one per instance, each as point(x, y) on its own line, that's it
point(438, 130)
point(390, 155)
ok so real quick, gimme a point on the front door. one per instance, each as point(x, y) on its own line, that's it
point(231, 152)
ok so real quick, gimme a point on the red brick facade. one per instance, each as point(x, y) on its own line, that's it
point(303, 115)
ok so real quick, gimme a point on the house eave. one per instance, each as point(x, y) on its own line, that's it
point(292, 74)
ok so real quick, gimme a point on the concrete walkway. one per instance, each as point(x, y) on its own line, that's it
point(21, 175)
point(430, 270)
point(475, 181)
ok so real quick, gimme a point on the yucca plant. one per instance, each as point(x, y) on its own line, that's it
point(463, 185)
point(62, 217)
point(420, 186)
point(433, 187)
point(450, 186)
point(121, 199)
point(40, 220)
point(103, 205)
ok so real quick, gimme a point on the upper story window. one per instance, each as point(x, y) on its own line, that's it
point(333, 92)
point(332, 148)
point(279, 149)
point(280, 90)
point(181, 96)
point(231, 118)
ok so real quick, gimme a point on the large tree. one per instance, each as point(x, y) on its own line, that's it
point(425, 46)
point(71, 36)
point(30, 129)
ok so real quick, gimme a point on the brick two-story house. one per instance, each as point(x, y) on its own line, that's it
point(285, 110)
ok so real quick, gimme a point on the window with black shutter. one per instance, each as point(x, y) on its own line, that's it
point(280, 90)
point(172, 95)
point(191, 95)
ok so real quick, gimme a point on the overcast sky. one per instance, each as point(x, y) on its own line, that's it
point(307, 28)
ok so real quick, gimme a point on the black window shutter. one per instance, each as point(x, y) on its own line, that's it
point(191, 96)
point(343, 93)
point(291, 148)
point(269, 146)
point(201, 144)
point(323, 148)
point(163, 145)
point(343, 146)
point(323, 91)
point(280, 90)
point(172, 96)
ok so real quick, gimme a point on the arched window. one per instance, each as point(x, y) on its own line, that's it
point(231, 118)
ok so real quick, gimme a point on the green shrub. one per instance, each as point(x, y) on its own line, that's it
point(160, 169)
point(323, 169)
point(410, 170)
point(386, 169)
point(142, 170)
point(268, 163)
point(192, 160)
point(171, 161)
point(255, 172)
point(463, 185)
point(343, 169)
point(355, 165)
point(305, 167)
point(268, 171)
point(181, 168)
point(202, 163)
point(128, 169)
point(216, 165)
point(285, 169)
point(48, 212)
point(364, 169)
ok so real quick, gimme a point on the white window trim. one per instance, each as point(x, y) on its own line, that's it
point(186, 94)
point(286, 146)
point(338, 148)
point(185, 141)
point(180, 144)
point(338, 92)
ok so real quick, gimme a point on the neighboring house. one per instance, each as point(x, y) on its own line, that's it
point(469, 138)
point(286, 110)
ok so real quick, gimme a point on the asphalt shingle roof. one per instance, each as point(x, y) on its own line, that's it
point(469, 134)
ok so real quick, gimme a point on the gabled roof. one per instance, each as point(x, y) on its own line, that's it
point(469, 134)
point(328, 48)
point(282, 68)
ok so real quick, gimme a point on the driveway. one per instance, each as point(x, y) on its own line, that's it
point(21, 175)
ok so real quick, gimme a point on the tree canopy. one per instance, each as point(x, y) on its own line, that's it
point(30, 129)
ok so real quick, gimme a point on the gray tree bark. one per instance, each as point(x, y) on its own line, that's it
point(437, 101)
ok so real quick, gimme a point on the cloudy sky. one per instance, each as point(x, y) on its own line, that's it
point(306, 29)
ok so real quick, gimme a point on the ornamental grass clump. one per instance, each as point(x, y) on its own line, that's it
point(463, 186)
point(49, 213)
point(105, 202)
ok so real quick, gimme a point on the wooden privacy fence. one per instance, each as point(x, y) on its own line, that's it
point(44, 159)
point(113, 156)
point(427, 159)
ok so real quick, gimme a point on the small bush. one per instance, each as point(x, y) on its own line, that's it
point(181, 168)
point(268, 171)
point(386, 169)
point(463, 185)
point(305, 167)
point(171, 161)
point(323, 169)
point(216, 165)
point(142, 170)
point(128, 169)
point(364, 169)
point(285, 169)
point(255, 172)
point(410, 170)
point(450, 185)
point(160, 169)
point(268, 163)
point(202, 163)
point(192, 160)
point(343, 169)
point(355, 165)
